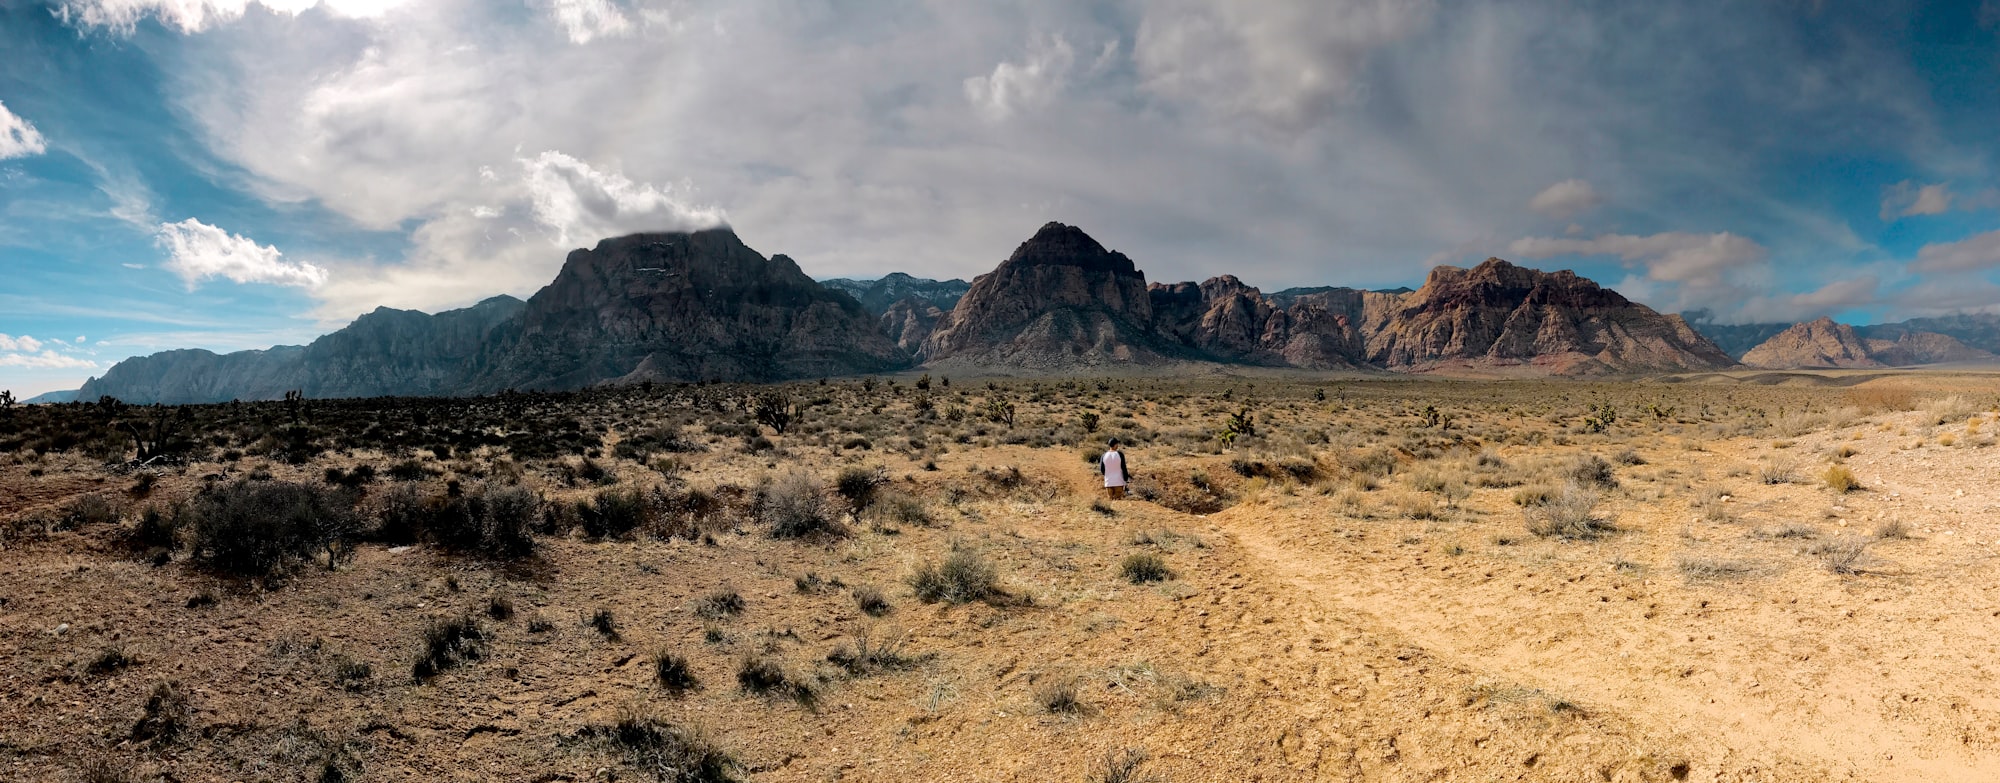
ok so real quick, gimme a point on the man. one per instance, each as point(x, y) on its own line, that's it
point(1115, 471)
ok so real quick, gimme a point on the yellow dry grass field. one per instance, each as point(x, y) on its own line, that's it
point(1741, 577)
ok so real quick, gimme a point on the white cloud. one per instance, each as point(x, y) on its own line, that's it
point(588, 19)
point(197, 251)
point(46, 360)
point(194, 16)
point(581, 204)
point(1566, 199)
point(22, 343)
point(30, 353)
point(1032, 83)
point(1288, 62)
point(1979, 251)
point(1906, 198)
point(855, 142)
point(18, 137)
point(1673, 256)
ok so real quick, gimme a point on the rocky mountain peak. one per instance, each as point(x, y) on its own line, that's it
point(1057, 244)
point(1060, 301)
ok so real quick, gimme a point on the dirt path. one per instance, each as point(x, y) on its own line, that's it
point(1881, 676)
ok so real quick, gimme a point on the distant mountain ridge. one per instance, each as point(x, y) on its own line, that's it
point(877, 296)
point(1824, 343)
point(1064, 301)
point(701, 305)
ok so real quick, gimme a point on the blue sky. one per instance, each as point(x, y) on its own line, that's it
point(232, 174)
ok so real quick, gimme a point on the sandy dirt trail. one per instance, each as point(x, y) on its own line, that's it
point(1881, 676)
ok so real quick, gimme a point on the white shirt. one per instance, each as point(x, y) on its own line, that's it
point(1114, 469)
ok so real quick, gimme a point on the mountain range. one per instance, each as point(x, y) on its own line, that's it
point(701, 305)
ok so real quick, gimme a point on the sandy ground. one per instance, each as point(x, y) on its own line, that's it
point(1300, 640)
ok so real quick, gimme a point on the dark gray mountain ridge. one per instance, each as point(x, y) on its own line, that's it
point(877, 296)
point(701, 305)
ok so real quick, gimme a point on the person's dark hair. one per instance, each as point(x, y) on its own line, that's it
point(1114, 443)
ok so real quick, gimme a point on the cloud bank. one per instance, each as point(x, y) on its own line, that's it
point(197, 251)
point(1290, 142)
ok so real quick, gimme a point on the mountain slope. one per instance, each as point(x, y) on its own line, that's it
point(1061, 301)
point(1498, 315)
point(877, 296)
point(1814, 344)
point(1733, 339)
point(1824, 343)
point(687, 306)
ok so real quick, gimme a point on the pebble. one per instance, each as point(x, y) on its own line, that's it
point(60, 629)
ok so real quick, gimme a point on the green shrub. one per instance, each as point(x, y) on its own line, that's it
point(858, 486)
point(491, 519)
point(264, 528)
point(1839, 479)
point(449, 643)
point(1143, 567)
point(1571, 513)
point(165, 717)
point(672, 672)
point(795, 506)
point(671, 754)
point(963, 576)
point(719, 604)
point(614, 513)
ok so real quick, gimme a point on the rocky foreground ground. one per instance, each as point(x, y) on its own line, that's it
point(1314, 581)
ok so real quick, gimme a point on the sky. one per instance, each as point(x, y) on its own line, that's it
point(234, 174)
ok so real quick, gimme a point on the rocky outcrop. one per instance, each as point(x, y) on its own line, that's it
point(681, 306)
point(878, 296)
point(1222, 319)
point(1824, 343)
point(1061, 301)
point(910, 321)
point(1501, 316)
point(1820, 343)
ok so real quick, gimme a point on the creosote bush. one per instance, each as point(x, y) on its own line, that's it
point(614, 513)
point(1143, 567)
point(665, 752)
point(1571, 513)
point(449, 643)
point(253, 528)
point(722, 603)
point(1839, 479)
point(858, 486)
point(672, 672)
point(490, 519)
point(964, 576)
point(795, 506)
point(165, 717)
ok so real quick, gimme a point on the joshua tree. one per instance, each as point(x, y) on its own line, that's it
point(775, 409)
